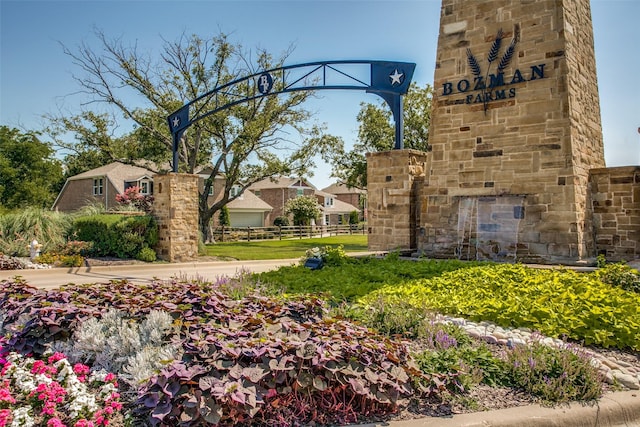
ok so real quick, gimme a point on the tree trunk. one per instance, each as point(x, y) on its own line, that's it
point(205, 219)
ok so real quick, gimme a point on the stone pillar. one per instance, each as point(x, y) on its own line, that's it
point(615, 194)
point(176, 209)
point(515, 119)
point(393, 178)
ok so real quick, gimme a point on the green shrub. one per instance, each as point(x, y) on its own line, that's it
point(281, 221)
point(95, 228)
point(117, 235)
point(394, 319)
point(146, 254)
point(620, 275)
point(60, 260)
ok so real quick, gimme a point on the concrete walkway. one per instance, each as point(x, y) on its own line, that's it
point(140, 273)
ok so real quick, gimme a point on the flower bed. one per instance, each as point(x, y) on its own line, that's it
point(50, 391)
point(236, 352)
point(235, 361)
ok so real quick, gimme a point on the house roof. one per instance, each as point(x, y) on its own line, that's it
point(281, 182)
point(249, 201)
point(341, 188)
point(339, 207)
point(117, 173)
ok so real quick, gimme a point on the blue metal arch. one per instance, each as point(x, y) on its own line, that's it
point(390, 80)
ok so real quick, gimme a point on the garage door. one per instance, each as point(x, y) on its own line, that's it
point(246, 219)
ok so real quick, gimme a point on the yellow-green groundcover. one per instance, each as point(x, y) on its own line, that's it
point(556, 302)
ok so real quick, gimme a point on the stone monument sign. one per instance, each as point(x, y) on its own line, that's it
point(515, 132)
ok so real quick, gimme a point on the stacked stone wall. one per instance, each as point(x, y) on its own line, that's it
point(176, 209)
point(393, 179)
point(615, 200)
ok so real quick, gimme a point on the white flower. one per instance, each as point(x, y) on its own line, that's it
point(22, 418)
point(107, 389)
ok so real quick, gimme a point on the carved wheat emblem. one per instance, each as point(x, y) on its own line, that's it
point(492, 56)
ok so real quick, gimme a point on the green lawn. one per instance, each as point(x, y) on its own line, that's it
point(283, 249)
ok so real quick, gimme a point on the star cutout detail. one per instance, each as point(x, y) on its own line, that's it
point(396, 77)
point(176, 121)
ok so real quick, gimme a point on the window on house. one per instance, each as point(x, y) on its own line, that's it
point(235, 190)
point(211, 190)
point(300, 192)
point(257, 193)
point(144, 187)
point(329, 201)
point(97, 187)
point(326, 220)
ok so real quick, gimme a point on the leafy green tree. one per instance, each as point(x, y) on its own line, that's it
point(30, 174)
point(354, 217)
point(94, 143)
point(377, 133)
point(303, 208)
point(245, 143)
point(224, 216)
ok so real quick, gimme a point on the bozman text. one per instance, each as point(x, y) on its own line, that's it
point(496, 89)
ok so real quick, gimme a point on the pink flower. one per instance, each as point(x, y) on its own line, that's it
point(5, 368)
point(99, 418)
point(39, 367)
point(55, 357)
point(5, 417)
point(55, 422)
point(5, 395)
point(81, 369)
point(50, 394)
point(49, 408)
point(47, 398)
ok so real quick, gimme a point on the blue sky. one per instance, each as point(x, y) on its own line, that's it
point(36, 76)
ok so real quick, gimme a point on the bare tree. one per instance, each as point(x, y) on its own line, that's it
point(265, 137)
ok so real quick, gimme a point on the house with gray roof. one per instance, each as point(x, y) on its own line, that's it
point(278, 190)
point(248, 210)
point(352, 195)
point(102, 185)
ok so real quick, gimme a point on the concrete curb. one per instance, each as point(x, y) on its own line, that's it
point(613, 410)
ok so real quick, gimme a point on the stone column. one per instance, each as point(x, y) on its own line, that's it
point(615, 194)
point(393, 178)
point(515, 117)
point(176, 209)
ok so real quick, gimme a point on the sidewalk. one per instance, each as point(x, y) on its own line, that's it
point(140, 273)
point(613, 410)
